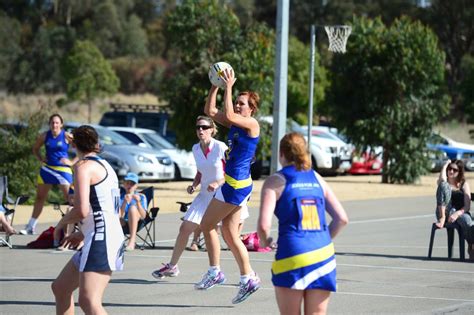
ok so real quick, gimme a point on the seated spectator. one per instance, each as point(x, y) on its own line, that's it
point(453, 201)
point(133, 208)
point(4, 222)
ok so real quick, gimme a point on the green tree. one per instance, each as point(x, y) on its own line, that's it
point(10, 48)
point(453, 22)
point(298, 80)
point(204, 32)
point(388, 91)
point(134, 41)
point(37, 69)
point(16, 158)
point(88, 75)
point(466, 87)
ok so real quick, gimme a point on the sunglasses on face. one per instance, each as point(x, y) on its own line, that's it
point(454, 169)
point(203, 127)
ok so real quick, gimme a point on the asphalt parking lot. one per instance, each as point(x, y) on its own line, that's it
point(381, 257)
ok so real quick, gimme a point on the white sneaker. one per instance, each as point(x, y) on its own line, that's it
point(27, 231)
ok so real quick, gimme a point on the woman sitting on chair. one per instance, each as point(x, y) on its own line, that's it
point(453, 201)
point(133, 208)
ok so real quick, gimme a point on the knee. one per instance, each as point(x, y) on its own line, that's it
point(57, 289)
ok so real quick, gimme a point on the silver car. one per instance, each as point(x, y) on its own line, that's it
point(148, 164)
point(185, 165)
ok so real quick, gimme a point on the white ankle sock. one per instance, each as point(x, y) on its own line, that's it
point(214, 270)
point(244, 278)
point(32, 223)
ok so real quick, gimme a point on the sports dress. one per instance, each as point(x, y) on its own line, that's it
point(238, 183)
point(53, 171)
point(103, 237)
point(211, 167)
point(305, 257)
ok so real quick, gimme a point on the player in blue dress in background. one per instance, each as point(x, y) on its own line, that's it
point(234, 193)
point(304, 270)
point(55, 168)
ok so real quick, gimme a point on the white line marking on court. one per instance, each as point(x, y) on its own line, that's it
point(405, 297)
point(406, 268)
point(392, 219)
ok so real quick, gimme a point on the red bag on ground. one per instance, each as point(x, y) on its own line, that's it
point(251, 242)
point(44, 240)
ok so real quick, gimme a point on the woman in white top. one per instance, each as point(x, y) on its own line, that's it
point(96, 207)
point(210, 161)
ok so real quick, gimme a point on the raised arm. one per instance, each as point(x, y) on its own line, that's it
point(248, 123)
point(442, 174)
point(210, 109)
point(334, 208)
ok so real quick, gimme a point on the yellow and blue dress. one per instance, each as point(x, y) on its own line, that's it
point(305, 257)
point(53, 171)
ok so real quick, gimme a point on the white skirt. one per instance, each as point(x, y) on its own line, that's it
point(198, 207)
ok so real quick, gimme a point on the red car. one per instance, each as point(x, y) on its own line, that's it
point(367, 163)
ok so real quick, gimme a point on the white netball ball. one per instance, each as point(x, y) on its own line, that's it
point(216, 72)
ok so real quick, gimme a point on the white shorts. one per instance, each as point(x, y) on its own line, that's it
point(198, 207)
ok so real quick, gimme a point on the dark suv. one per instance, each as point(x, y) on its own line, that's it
point(139, 116)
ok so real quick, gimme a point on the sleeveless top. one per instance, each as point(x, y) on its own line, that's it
point(305, 257)
point(104, 200)
point(56, 148)
point(239, 156)
point(211, 166)
point(457, 198)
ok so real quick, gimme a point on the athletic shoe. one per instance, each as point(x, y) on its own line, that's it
point(27, 231)
point(246, 289)
point(208, 281)
point(166, 271)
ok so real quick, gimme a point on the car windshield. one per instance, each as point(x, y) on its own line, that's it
point(111, 137)
point(157, 141)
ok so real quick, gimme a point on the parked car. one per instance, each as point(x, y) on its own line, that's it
point(184, 163)
point(454, 150)
point(437, 159)
point(139, 116)
point(147, 163)
point(368, 162)
point(329, 153)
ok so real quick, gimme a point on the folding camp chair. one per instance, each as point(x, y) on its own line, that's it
point(9, 205)
point(148, 223)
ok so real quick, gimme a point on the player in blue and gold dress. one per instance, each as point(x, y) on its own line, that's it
point(305, 264)
point(234, 193)
point(55, 168)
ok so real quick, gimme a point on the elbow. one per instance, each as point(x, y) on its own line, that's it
point(343, 221)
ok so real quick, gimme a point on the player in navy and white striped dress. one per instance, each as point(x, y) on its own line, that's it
point(96, 207)
point(304, 269)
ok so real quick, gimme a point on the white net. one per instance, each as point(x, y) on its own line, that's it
point(338, 36)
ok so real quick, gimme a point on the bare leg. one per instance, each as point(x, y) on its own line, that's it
point(65, 190)
point(316, 301)
point(289, 301)
point(185, 230)
point(133, 218)
point(41, 195)
point(91, 291)
point(195, 242)
point(230, 232)
point(216, 211)
point(6, 225)
point(63, 288)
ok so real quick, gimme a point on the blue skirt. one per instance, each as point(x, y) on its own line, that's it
point(55, 175)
